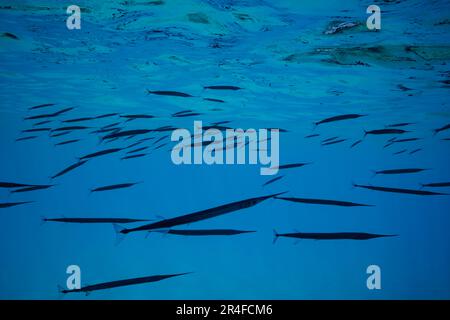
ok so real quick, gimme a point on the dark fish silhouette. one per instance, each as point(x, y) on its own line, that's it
point(331, 235)
point(220, 122)
point(69, 168)
point(185, 115)
point(199, 215)
point(181, 112)
point(355, 143)
point(10, 35)
point(272, 181)
point(32, 188)
point(137, 150)
point(164, 129)
point(160, 146)
point(414, 151)
point(133, 145)
point(339, 118)
point(206, 232)
point(60, 134)
point(446, 127)
point(405, 140)
point(70, 128)
point(78, 120)
point(4, 205)
point(400, 140)
point(67, 142)
point(330, 139)
point(26, 138)
point(105, 130)
point(402, 124)
point(36, 130)
point(130, 117)
point(399, 171)
point(384, 131)
point(41, 106)
point(134, 156)
point(93, 220)
point(220, 128)
point(121, 283)
point(234, 88)
point(291, 165)
point(312, 135)
point(400, 152)
point(126, 133)
point(170, 93)
point(436, 184)
point(160, 139)
point(14, 185)
point(50, 115)
point(214, 100)
point(114, 187)
point(42, 122)
point(325, 202)
point(100, 153)
point(399, 190)
point(106, 115)
point(110, 125)
point(333, 142)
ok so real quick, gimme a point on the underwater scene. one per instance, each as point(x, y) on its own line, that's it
point(224, 149)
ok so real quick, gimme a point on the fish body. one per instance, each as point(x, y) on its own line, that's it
point(93, 220)
point(121, 283)
point(170, 93)
point(206, 232)
point(324, 202)
point(114, 187)
point(384, 131)
point(233, 88)
point(69, 168)
point(201, 215)
point(4, 205)
point(400, 190)
point(333, 235)
point(400, 171)
point(100, 153)
point(339, 118)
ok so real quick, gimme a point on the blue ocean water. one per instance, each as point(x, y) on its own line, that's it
point(293, 73)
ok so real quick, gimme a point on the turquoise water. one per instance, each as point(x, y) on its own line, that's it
point(292, 74)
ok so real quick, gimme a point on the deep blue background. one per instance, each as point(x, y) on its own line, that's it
point(275, 51)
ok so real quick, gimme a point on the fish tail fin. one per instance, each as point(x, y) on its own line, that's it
point(374, 173)
point(365, 133)
point(120, 235)
point(435, 131)
point(354, 185)
point(421, 186)
point(43, 220)
point(275, 236)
